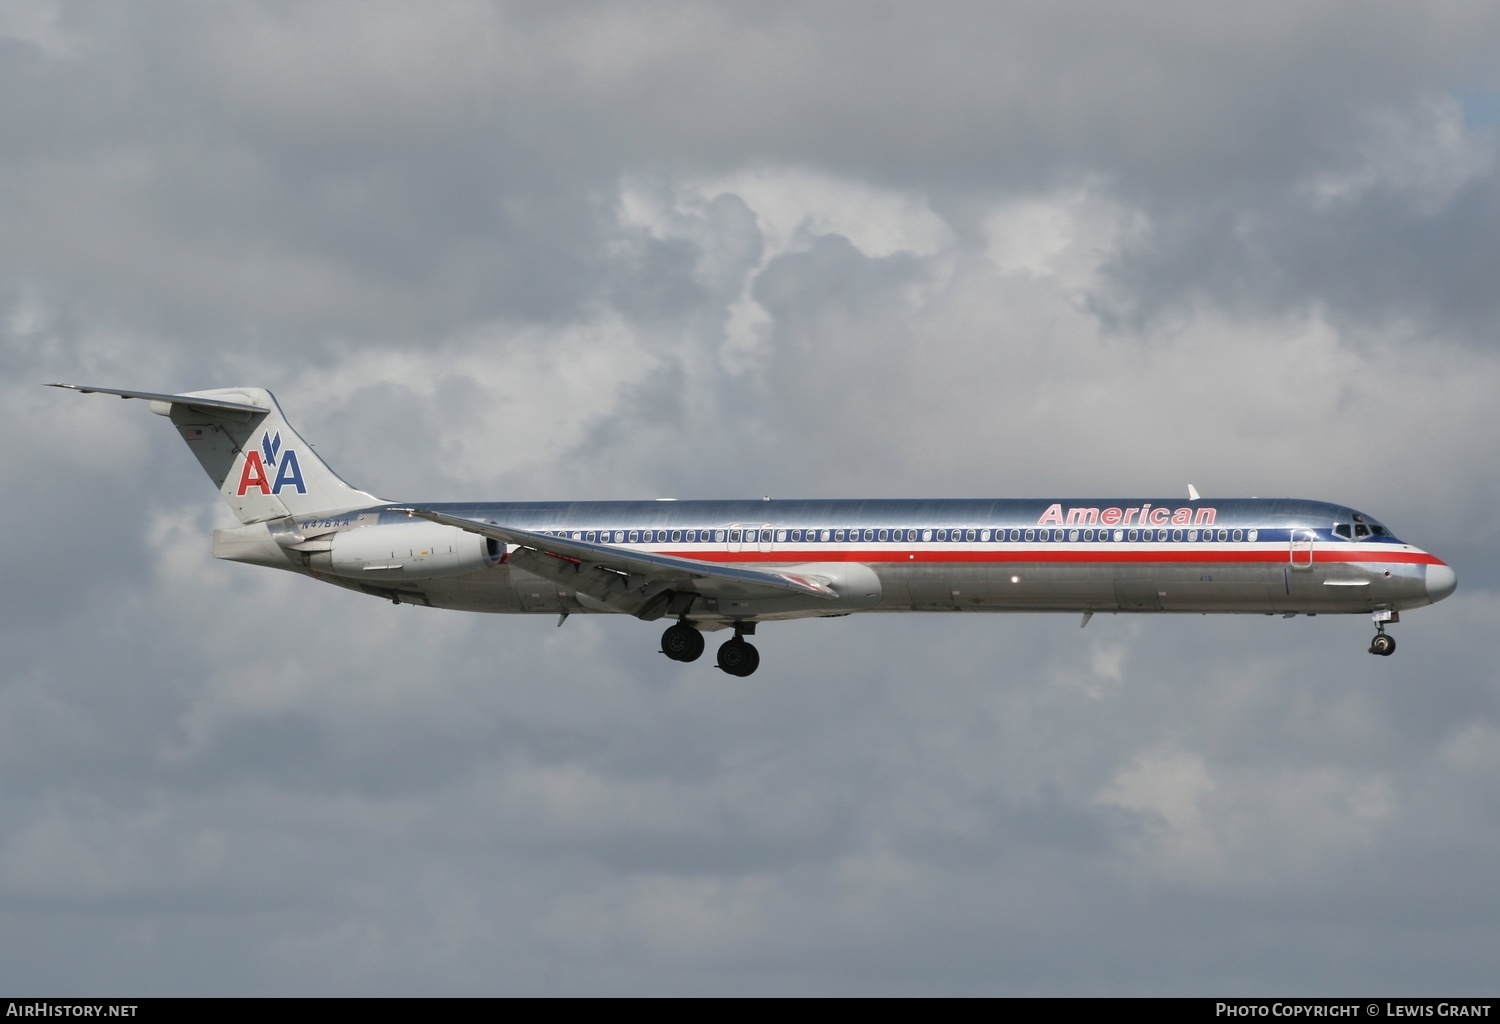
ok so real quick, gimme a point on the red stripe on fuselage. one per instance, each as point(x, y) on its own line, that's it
point(1068, 555)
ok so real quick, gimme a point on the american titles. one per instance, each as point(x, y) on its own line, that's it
point(1142, 515)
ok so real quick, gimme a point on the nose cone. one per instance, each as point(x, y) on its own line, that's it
point(1441, 581)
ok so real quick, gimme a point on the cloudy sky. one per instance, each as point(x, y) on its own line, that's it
point(527, 250)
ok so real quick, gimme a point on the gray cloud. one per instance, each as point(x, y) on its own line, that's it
point(522, 251)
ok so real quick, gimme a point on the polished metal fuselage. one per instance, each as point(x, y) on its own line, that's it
point(1004, 555)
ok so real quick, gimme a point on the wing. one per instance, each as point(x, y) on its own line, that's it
point(643, 584)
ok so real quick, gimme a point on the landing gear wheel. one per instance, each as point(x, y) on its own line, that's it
point(738, 658)
point(1384, 645)
point(682, 643)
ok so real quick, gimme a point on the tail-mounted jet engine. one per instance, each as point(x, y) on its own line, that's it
point(407, 551)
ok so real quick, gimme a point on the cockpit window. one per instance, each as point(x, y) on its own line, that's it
point(1362, 528)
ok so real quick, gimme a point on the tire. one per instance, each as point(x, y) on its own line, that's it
point(682, 643)
point(738, 658)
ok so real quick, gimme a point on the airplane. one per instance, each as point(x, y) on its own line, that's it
point(716, 565)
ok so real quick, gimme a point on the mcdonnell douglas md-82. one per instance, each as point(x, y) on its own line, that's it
point(713, 565)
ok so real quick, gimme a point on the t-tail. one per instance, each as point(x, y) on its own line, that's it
point(259, 463)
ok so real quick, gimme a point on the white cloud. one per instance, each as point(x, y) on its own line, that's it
point(1423, 155)
point(507, 252)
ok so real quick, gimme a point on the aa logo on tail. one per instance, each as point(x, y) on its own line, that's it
point(288, 473)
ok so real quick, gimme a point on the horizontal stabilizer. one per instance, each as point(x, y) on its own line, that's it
point(186, 401)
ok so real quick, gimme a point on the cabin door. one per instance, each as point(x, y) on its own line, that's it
point(1302, 549)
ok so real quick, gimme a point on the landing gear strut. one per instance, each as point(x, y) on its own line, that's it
point(1384, 644)
point(737, 657)
point(682, 642)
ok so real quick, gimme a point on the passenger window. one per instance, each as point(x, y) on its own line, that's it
point(734, 536)
point(1252, 535)
point(1133, 534)
point(1239, 535)
point(1089, 534)
point(827, 534)
point(1072, 534)
point(1176, 534)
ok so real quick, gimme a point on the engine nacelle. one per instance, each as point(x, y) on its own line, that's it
point(408, 551)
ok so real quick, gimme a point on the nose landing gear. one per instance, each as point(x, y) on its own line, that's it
point(1384, 644)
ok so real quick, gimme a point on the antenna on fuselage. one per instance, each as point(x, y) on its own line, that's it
point(1192, 493)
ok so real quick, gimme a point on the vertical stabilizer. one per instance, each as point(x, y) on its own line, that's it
point(259, 463)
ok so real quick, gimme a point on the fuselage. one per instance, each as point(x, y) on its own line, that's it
point(1081, 555)
point(709, 565)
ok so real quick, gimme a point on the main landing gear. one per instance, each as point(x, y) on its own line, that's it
point(1384, 644)
point(684, 643)
point(737, 657)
